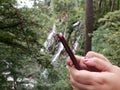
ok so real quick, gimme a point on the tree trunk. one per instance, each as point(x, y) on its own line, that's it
point(89, 25)
point(112, 6)
point(99, 4)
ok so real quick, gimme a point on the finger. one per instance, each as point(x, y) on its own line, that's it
point(82, 76)
point(69, 62)
point(79, 59)
point(98, 64)
point(74, 88)
point(79, 86)
point(92, 54)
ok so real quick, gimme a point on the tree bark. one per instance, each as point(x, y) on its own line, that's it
point(99, 4)
point(89, 25)
point(112, 6)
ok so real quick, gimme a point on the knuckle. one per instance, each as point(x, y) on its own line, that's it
point(76, 76)
point(90, 52)
point(95, 59)
point(100, 80)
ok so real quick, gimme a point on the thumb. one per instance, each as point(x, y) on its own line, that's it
point(99, 64)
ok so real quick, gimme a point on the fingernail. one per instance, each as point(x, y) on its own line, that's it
point(85, 60)
point(71, 64)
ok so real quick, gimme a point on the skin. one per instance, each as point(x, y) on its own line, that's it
point(97, 73)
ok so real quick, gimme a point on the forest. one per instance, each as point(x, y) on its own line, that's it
point(32, 57)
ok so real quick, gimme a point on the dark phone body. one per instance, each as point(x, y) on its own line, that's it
point(69, 51)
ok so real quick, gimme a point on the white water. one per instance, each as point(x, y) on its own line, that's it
point(75, 45)
point(76, 24)
point(44, 74)
point(50, 41)
point(78, 38)
point(50, 38)
point(60, 48)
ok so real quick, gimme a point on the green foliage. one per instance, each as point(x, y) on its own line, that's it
point(22, 33)
point(57, 79)
point(24, 30)
point(69, 12)
point(102, 7)
point(62, 5)
point(106, 37)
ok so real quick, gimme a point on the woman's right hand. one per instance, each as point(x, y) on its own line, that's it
point(107, 77)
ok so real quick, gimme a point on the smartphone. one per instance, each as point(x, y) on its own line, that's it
point(69, 51)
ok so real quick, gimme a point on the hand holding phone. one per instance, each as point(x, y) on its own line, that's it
point(69, 51)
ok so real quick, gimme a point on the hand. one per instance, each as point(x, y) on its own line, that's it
point(106, 79)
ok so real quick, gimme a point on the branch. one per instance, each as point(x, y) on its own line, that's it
point(4, 25)
point(12, 43)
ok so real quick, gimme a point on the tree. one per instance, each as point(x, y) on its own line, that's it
point(22, 33)
point(106, 37)
point(89, 25)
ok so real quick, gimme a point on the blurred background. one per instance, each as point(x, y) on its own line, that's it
point(32, 57)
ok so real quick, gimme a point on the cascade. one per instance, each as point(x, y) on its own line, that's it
point(51, 42)
point(75, 45)
point(57, 54)
point(50, 39)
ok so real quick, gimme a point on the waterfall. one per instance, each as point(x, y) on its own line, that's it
point(75, 45)
point(50, 39)
point(58, 47)
point(44, 74)
point(57, 54)
point(49, 43)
